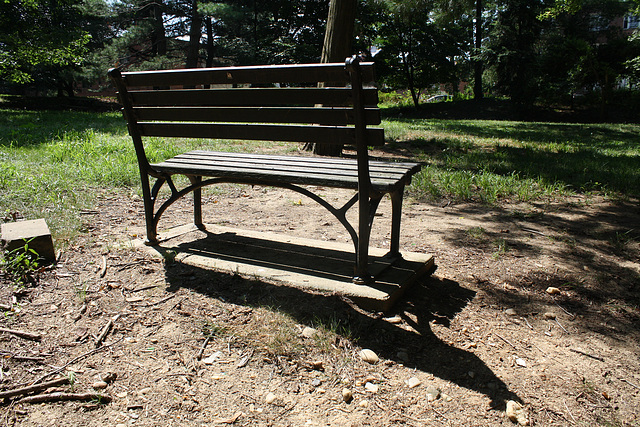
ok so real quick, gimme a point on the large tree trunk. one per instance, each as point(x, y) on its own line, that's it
point(478, 65)
point(336, 48)
point(158, 38)
point(195, 34)
point(210, 47)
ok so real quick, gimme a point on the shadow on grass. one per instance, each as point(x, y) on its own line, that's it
point(31, 128)
point(581, 168)
point(431, 300)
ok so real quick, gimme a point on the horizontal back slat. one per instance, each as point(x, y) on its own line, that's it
point(325, 116)
point(288, 133)
point(251, 97)
point(302, 73)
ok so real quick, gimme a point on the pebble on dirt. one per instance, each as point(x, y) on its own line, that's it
point(368, 356)
point(432, 393)
point(347, 395)
point(516, 413)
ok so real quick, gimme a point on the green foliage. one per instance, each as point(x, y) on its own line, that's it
point(39, 34)
point(416, 51)
point(20, 264)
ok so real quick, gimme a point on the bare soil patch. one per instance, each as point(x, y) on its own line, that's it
point(482, 330)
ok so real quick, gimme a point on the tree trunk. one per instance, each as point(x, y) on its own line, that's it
point(478, 65)
point(195, 33)
point(159, 38)
point(336, 48)
point(210, 47)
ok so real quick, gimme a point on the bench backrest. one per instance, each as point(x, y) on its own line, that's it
point(308, 103)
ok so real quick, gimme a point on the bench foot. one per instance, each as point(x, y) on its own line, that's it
point(151, 242)
point(363, 280)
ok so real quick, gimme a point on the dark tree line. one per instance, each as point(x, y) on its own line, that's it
point(521, 49)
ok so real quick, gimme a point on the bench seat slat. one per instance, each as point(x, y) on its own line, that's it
point(291, 169)
point(298, 168)
point(326, 116)
point(251, 97)
point(398, 168)
point(260, 132)
point(297, 73)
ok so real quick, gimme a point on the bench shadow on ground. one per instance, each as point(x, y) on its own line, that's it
point(430, 300)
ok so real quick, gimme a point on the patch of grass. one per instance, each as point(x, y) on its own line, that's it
point(478, 233)
point(501, 248)
point(489, 161)
point(20, 264)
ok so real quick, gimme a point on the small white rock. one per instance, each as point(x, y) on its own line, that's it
point(369, 356)
point(413, 382)
point(549, 315)
point(510, 312)
point(210, 360)
point(432, 393)
point(552, 290)
point(371, 388)
point(364, 403)
point(99, 385)
point(521, 362)
point(393, 320)
point(270, 398)
point(309, 332)
point(516, 413)
point(347, 395)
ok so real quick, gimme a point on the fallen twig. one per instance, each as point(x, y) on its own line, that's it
point(158, 302)
point(22, 334)
point(74, 360)
point(144, 288)
point(106, 329)
point(103, 269)
point(204, 345)
point(531, 230)
point(563, 309)
point(570, 414)
point(506, 340)
point(587, 354)
point(32, 388)
point(5, 307)
point(562, 327)
point(630, 383)
point(55, 397)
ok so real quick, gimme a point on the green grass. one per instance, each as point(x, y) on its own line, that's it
point(53, 162)
point(495, 160)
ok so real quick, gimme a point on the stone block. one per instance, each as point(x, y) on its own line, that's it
point(34, 232)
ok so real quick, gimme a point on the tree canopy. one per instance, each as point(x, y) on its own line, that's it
point(547, 50)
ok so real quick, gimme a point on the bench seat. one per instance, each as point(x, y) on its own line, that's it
point(332, 172)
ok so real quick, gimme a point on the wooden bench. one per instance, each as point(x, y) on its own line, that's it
point(269, 103)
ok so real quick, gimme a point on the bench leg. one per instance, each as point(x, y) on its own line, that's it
point(197, 202)
point(152, 235)
point(396, 216)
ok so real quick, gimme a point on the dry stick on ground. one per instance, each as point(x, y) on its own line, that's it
point(74, 360)
point(103, 269)
point(204, 345)
point(507, 341)
point(6, 307)
point(106, 330)
point(630, 383)
point(32, 388)
point(55, 397)
point(22, 334)
point(587, 354)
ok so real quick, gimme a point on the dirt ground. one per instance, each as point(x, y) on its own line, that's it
point(486, 328)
